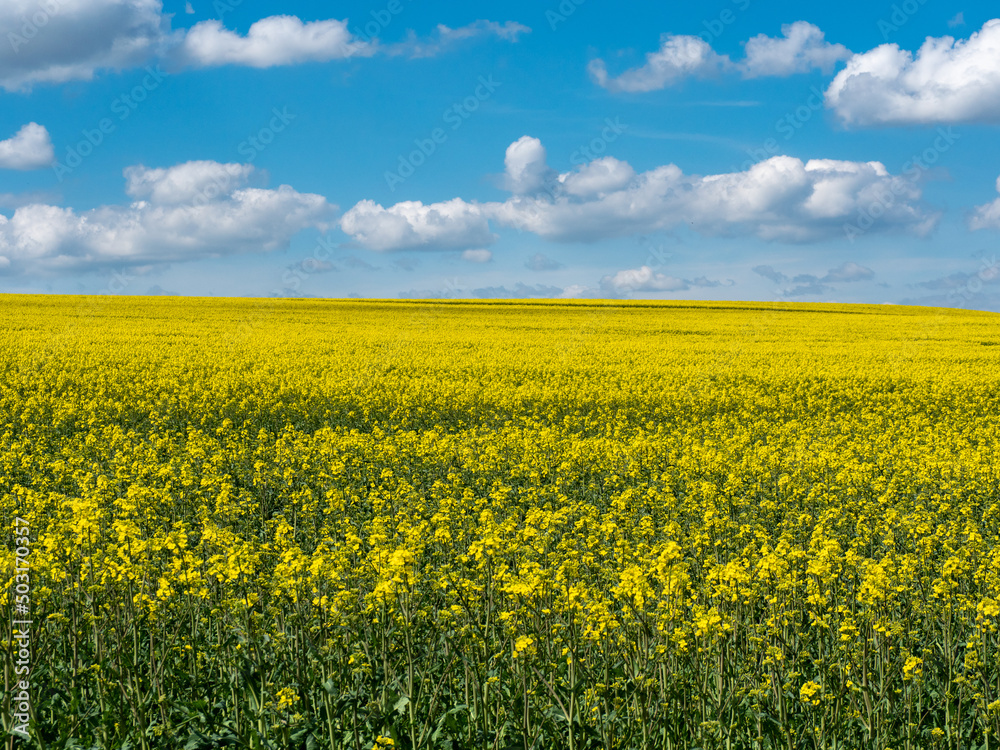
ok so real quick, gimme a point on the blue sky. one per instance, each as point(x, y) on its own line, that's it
point(731, 150)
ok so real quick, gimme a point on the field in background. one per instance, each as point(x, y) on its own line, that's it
point(313, 524)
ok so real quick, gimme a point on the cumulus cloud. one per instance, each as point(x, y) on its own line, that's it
point(67, 40)
point(277, 40)
point(525, 169)
point(598, 178)
point(54, 41)
point(678, 57)
point(185, 183)
point(29, 148)
point(782, 199)
point(411, 225)
point(178, 218)
point(987, 216)
point(444, 37)
point(946, 81)
point(801, 48)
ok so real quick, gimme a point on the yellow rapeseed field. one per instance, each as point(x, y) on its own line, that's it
point(344, 524)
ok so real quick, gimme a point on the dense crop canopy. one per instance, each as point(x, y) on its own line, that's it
point(454, 525)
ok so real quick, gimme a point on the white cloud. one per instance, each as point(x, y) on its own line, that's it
point(54, 41)
point(193, 182)
point(183, 219)
point(947, 81)
point(64, 40)
point(598, 178)
point(987, 216)
point(801, 48)
point(445, 37)
point(524, 166)
point(411, 225)
point(29, 148)
point(642, 279)
point(781, 199)
point(477, 256)
point(678, 57)
point(277, 40)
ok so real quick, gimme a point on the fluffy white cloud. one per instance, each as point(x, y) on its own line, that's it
point(524, 166)
point(286, 40)
point(801, 48)
point(444, 37)
point(277, 40)
point(52, 41)
point(679, 56)
point(29, 148)
point(184, 218)
point(411, 225)
point(598, 178)
point(947, 81)
point(781, 198)
point(193, 182)
point(987, 216)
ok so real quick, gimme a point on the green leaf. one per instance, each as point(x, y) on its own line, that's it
point(401, 705)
